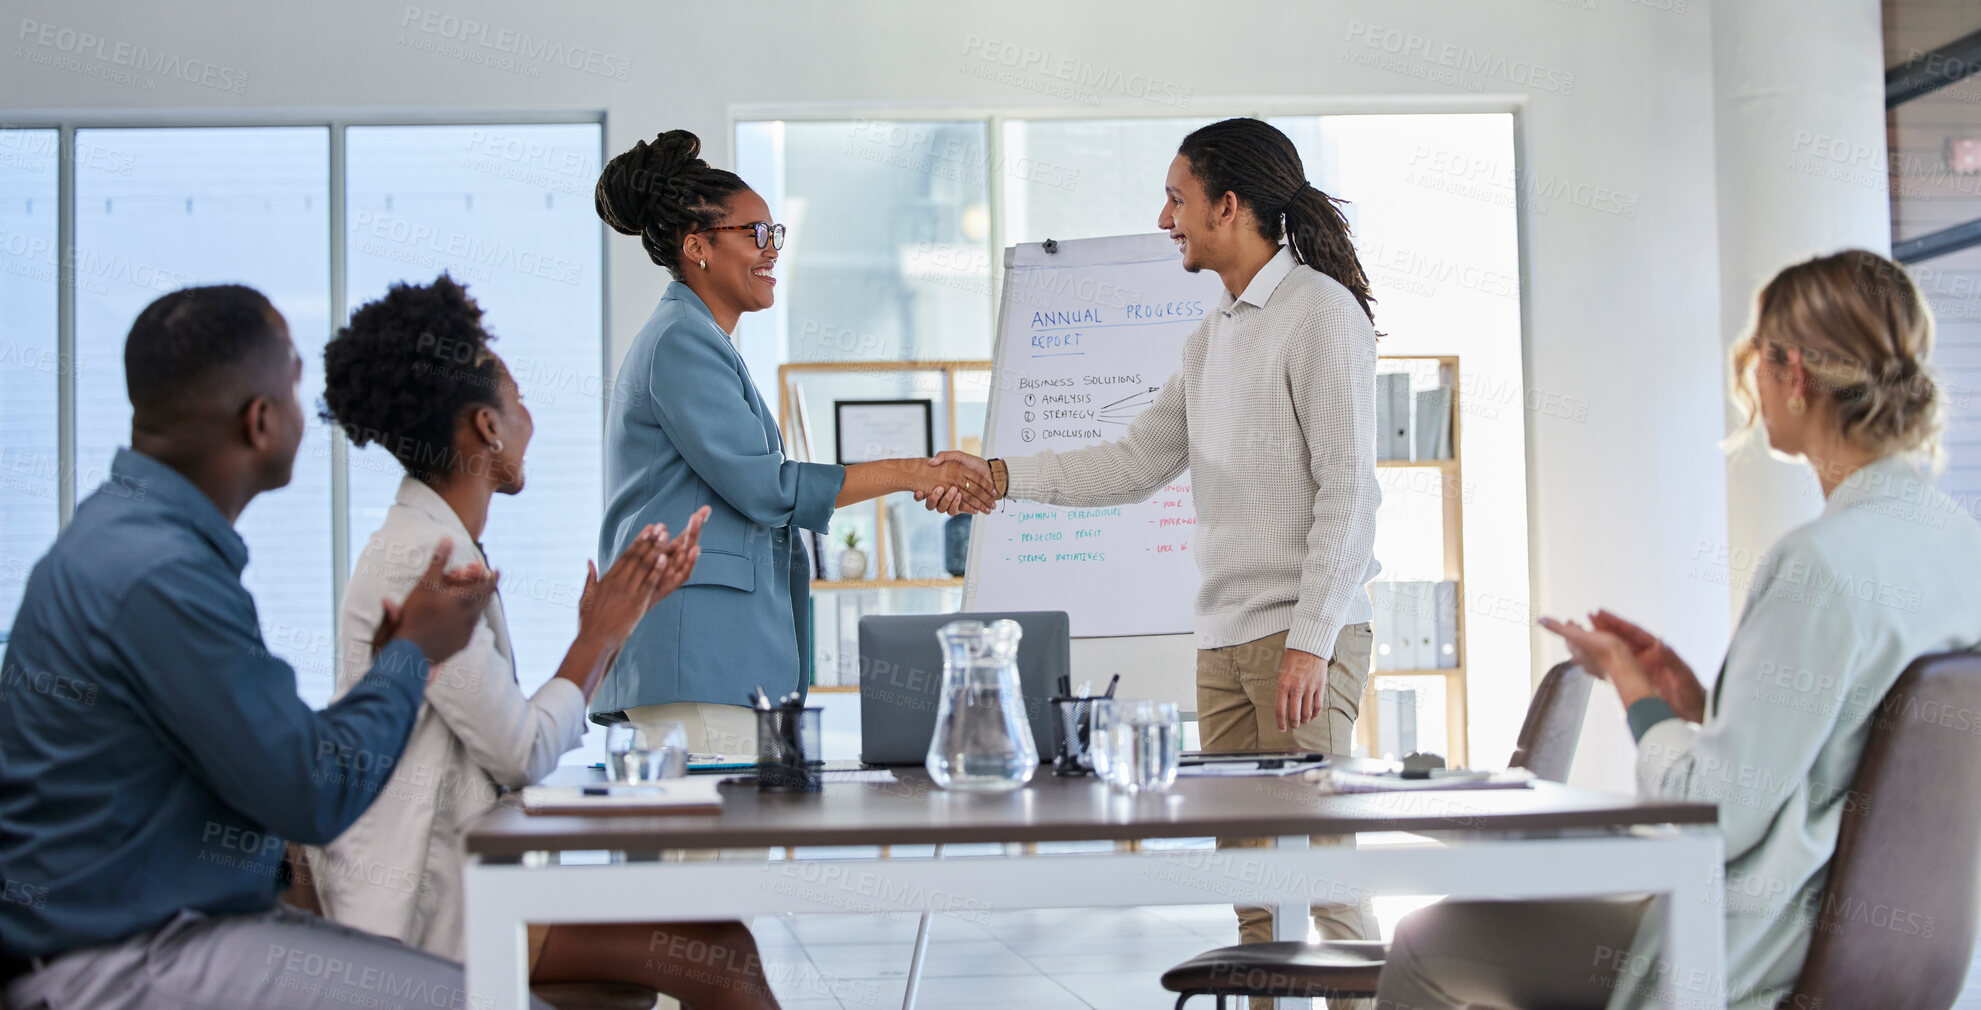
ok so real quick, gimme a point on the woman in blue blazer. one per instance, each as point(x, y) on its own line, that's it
point(685, 428)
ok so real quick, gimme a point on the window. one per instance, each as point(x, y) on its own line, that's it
point(1085, 178)
point(160, 209)
point(29, 356)
point(887, 257)
point(508, 212)
point(506, 209)
point(879, 214)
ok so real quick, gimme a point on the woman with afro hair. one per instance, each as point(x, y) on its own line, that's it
point(414, 374)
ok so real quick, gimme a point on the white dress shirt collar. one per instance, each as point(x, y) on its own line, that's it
point(1264, 283)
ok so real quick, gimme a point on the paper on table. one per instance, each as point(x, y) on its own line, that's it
point(680, 796)
point(721, 759)
point(1354, 782)
point(1234, 769)
point(869, 775)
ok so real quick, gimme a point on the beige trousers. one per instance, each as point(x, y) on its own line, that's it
point(1236, 690)
point(1564, 953)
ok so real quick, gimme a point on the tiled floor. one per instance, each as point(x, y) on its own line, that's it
point(1103, 958)
point(1078, 959)
point(1041, 960)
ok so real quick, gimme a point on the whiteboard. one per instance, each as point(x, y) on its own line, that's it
point(1086, 336)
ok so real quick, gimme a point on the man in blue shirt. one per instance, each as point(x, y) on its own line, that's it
point(153, 754)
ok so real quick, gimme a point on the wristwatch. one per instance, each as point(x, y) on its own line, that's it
point(1000, 477)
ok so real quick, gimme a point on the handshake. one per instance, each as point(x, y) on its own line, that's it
point(954, 482)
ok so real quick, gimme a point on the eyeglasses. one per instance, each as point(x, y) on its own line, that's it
point(765, 232)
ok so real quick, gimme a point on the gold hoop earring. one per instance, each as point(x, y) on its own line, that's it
point(1796, 405)
point(705, 264)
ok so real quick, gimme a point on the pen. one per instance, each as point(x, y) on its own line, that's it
point(1110, 686)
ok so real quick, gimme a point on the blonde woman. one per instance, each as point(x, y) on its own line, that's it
point(1835, 369)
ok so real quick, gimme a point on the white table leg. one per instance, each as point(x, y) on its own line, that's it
point(497, 938)
point(920, 955)
point(1290, 919)
point(1695, 926)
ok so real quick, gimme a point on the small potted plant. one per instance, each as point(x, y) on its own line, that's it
point(853, 560)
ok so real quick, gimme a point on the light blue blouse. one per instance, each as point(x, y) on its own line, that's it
point(1890, 571)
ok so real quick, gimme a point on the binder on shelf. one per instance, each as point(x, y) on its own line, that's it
point(1396, 722)
point(1446, 625)
point(1432, 423)
point(1393, 400)
point(852, 606)
point(1382, 418)
point(1423, 626)
point(825, 643)
point(1382, 600)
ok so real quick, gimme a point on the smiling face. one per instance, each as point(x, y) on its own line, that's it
point(739, 275)
point(517, 428)
point(506, 423)
point(1191, 217)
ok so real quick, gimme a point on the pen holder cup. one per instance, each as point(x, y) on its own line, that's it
point(1073, 735)
point(789, 758)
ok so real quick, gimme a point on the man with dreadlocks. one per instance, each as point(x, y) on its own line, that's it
point(1273, 413)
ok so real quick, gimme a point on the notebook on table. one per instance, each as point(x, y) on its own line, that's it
point(697, 795)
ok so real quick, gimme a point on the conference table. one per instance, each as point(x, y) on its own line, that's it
point(1547, 841)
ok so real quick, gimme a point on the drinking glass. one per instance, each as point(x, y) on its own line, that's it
point(1138, 744)
point(632, 755)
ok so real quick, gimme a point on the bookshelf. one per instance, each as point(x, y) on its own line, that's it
point(1449, 471)
point(799, 418)
point(1451, 529)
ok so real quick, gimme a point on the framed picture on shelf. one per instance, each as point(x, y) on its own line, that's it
point(867, 430)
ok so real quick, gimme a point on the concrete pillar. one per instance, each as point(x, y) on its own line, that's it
point(1800, 148)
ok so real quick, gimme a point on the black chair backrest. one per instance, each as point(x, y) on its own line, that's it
point(1896, 927)
point(1554, 721)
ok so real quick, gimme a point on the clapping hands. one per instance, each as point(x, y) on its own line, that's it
point(651, 567)
point(1638, 663)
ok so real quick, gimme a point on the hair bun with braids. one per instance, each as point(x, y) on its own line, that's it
point(1865, 336)
point(662, 191)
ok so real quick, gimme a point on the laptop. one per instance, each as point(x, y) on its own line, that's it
point(901, 680)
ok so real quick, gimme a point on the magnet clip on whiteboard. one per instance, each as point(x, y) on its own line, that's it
point(1051, 246)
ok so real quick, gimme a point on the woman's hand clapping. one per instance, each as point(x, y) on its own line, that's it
point(645, 572)
point(1637, 663)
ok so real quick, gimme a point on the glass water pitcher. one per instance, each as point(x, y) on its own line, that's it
point(982, 742)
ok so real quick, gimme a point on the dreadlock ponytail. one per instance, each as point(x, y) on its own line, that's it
point(1318, 233)
point(1251, 158)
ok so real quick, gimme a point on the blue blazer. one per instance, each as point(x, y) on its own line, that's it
point(686, 428)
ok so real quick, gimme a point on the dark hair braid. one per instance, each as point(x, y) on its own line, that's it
point(663, 191)
point(1251, 158)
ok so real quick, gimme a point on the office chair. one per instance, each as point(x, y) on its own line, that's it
point(1907, 846)
point(1345, 969)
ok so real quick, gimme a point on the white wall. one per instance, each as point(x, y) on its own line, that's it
point(1808, 93)
point(1622, 279)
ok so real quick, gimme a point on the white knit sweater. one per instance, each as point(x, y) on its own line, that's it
point(1273, 412)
